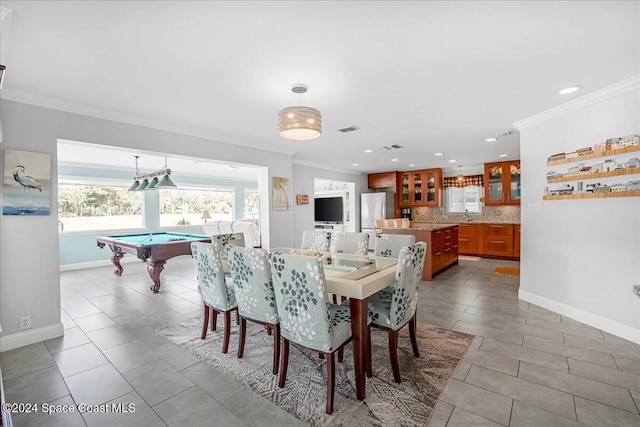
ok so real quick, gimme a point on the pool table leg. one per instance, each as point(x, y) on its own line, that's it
point(154, 269)
point(116, 256)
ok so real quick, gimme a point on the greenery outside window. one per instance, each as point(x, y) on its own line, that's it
point(83, 207)
point(185, 206)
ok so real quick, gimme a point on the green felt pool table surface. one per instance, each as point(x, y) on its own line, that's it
point(156, 238)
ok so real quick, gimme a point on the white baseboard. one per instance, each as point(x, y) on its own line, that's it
point(31, 336)
point(618, 329)
point(91, 264)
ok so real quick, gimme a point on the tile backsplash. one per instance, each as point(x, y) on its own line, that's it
point(490, 214)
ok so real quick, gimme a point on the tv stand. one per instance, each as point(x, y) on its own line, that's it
point(329, 227)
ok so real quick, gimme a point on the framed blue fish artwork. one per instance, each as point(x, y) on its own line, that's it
point(26, 183)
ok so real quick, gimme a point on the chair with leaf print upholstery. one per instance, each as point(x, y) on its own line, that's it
point(394, 307)
point(352, 243)
point(251, 275)
point(228, 240)
point(318, 240)
point(389, 245)
point(216, 287)
point(307, 317)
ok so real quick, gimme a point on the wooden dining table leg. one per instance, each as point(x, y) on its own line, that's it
point(359, 334)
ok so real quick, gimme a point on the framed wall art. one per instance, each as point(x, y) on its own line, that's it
point(26, 183)
point(280, 194)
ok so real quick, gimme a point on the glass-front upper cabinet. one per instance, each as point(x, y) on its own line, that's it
point(421, 188)
point(502, 183)
point(433, 178)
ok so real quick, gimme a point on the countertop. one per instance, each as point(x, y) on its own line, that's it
point(462, 221)
point(424, 226)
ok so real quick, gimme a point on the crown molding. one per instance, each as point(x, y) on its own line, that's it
point(615, 89)
point(15, 95)
point(307, 163)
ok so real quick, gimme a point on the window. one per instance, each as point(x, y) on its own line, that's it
point(463, 200)
point(185, 207)
point(95, 207)
point(251, 203)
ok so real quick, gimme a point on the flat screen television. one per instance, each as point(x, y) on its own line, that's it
point(329, 209)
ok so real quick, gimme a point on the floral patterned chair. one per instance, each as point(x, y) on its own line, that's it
point(251, 276)
point(216, 289)
point(226, 241)
point(393, 308)
point(319, 240)
point(307, 317)
point(352, 243)
point(389, 245)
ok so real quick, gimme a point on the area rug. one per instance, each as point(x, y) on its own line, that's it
point(409, 403)
point(509, 271)
point(469, 258)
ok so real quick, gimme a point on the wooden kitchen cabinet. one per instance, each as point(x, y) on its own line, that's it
point(498, 240)
point(442, 246)
point(445, 248)
point(516, 241)
point(420, 188)
point(470, 239)
point(502, 183)
point(383, 179)
point(489, 240)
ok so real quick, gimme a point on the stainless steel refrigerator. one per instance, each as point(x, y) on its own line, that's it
point(375, 206)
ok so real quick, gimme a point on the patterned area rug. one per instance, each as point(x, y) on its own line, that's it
point(409, 403)
point(509, 271)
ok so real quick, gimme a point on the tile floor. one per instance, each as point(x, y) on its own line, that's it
point(527, 366)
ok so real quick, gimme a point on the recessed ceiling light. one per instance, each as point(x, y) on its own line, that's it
point(568, 90)
point(438, 154)
point(394, 160)
point(368, 151)
point(503, 155)
point(490, 140)
point(411, 165)
point(356, 164)
point(452, 161)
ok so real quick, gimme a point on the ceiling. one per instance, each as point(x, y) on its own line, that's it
point(428, 76)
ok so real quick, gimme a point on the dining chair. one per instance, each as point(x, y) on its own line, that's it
point(307, 318)
point(389, 245)
point(319, 240)
point(352, 243)
point(216, 288)
point(226, 241)
point(251, 276)
point(393, 308)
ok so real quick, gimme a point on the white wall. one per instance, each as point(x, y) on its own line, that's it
point(303, 183)
point(581, 258)
point(29, 277)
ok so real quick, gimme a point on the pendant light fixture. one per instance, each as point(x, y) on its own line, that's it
point(299, 123)
point(150, 181)
point(460, 177)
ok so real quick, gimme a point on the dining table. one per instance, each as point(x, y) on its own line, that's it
point(356, 277)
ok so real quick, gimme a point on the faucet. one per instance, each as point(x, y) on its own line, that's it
point(466, 215)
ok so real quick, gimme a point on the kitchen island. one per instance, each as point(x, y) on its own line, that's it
point(442, 245)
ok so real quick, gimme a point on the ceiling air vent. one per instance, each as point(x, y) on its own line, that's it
point(392, 147)
point(349, 129)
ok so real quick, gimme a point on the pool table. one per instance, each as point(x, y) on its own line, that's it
point(153, 248)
